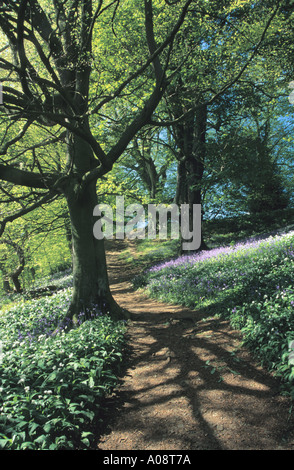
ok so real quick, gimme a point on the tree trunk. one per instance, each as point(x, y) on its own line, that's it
point(6, 285)
point(191, 136)
point(5, 277)
point(14, 275)
point(91, 291)
point(195, 163)
point(181, 195)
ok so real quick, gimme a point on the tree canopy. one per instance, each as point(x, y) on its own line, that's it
point(91, 87)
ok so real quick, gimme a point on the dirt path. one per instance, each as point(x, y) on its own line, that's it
point(188, 385)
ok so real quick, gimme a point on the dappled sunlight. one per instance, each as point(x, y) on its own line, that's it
point(190, 385)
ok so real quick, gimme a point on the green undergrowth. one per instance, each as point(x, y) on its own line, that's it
point(53, 387)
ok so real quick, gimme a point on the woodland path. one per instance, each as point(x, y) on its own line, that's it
point(188, 385)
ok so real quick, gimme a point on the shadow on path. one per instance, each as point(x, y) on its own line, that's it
point(188, 384)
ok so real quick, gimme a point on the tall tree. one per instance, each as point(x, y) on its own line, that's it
point(217, 37)
point(47, 62)
point(57, 82)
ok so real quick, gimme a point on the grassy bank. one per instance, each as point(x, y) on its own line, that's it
point(251, 283)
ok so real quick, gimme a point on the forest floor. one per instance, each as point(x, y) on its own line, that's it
point(188, 384)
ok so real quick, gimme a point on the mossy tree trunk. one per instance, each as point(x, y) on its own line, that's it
point(91, 291)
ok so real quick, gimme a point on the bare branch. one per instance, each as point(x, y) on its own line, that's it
point(27, 178)
point(47, 198)
point(8, 144)
point(151, 40)
point(44, 143)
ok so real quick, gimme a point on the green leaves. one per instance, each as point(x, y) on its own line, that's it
point(52, 387)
